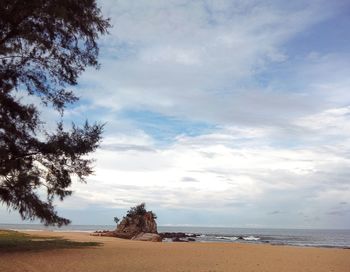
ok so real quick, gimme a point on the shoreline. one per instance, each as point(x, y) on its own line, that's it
point(223, 241)
point(88, 234)
point(124, 255)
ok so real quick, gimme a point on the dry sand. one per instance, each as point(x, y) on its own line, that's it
point(124, 255)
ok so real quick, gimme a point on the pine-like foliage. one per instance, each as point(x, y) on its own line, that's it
point(44, 46)
point(139, 210)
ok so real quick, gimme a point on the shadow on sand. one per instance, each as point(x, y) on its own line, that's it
point(13, 241)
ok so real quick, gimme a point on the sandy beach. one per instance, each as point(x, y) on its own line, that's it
point(124, 255)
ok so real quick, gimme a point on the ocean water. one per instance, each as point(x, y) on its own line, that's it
point(292, 237)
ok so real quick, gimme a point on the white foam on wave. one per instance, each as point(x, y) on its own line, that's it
point(251, 238)
point(227, 238)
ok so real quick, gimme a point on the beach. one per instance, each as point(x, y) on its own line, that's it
point(125, 255)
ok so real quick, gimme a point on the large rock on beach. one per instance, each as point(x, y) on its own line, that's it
point(132, 226)
point(138, 224)
point(152, 237)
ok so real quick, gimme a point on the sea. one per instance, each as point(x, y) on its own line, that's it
point(292, 237)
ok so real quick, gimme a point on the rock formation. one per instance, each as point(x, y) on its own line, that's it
point(138, 224)
point(131, 226)
point(178, 236)
point(153, 237)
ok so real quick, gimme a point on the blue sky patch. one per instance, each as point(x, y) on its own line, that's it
point(164, 128)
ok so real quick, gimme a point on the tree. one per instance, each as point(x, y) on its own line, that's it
point(139, 210)
point(116, 219)
point(44, 46)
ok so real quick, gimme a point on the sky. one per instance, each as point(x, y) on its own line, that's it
point(218, 113)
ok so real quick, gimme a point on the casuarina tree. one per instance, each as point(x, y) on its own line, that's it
point(44, 46)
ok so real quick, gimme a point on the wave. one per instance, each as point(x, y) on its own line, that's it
point(231, 238)
point(234, 238)
point(251, 238)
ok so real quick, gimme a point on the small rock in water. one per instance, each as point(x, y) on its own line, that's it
point(177, 239)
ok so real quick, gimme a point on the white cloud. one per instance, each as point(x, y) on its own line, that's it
point(239, 171)
point(198, 60)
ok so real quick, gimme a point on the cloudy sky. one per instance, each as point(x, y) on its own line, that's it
point(219, 113)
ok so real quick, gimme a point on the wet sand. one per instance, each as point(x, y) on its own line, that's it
point(123, 255)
